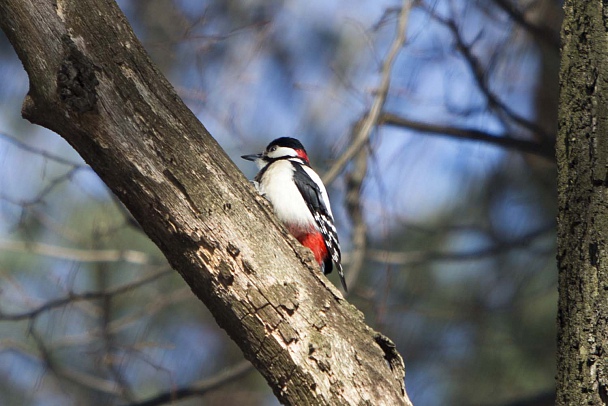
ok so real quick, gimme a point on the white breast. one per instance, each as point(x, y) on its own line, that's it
point(278, 187)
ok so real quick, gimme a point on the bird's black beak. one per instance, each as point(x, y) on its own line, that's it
point(252, 157)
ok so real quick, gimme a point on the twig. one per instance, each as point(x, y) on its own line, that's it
point(417, 257)
point(545, 150)
point(200, 388)
point(79, 378)
point(480, 76)
point(542, 32)
point(107, 337)
point(73, 297)
point(75, 254)
point(371, 118)
point(45, 154)
point(354, 186)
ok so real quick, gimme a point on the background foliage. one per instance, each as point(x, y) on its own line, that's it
point(446, 216)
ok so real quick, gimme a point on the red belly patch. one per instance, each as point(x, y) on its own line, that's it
point(315, 242)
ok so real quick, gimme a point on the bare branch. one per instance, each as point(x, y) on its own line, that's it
point(480, 76)
point(354, 184)
point(544, 149)
point(38, 151)
point(200, 388)
point(77, 377)
point(76, 254)
point(107, 335)
point(417, 257)
point(542, 32)
point(371, 118)
point(74, 297)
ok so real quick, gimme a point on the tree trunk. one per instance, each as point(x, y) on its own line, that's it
point(582, 154)
point(92, 82)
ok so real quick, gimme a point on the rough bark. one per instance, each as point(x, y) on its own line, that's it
point(582, 155)
point(92, 83)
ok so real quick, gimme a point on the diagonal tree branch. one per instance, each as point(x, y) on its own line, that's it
point(92, 82)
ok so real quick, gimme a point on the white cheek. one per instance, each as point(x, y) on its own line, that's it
point(260, 163)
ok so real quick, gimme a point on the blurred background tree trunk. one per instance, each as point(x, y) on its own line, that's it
point(582, 156)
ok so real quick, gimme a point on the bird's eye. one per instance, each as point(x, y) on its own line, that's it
point(272, 149)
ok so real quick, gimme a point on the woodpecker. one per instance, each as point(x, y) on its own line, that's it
point(299, 199)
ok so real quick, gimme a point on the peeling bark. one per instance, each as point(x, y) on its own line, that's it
point(92, 83)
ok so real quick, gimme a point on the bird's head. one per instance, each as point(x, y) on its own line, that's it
point(281, 148)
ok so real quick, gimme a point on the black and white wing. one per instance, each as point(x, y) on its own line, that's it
point(311, 187)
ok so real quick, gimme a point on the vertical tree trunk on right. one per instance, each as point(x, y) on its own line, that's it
point(582, 154)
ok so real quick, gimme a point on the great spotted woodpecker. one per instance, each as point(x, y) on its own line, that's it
point(299, 199)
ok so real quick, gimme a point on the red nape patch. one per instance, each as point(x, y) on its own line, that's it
point(302, 154)
point(316, 244)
